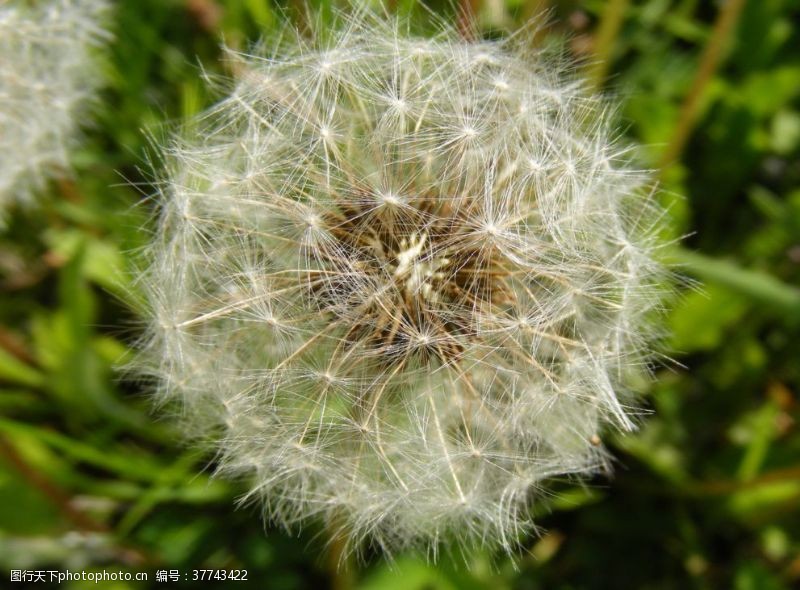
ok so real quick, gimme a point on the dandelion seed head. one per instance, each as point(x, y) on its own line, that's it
point(403, 286)
point(48, 75)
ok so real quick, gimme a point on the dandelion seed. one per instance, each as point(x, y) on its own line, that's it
point(405, 320)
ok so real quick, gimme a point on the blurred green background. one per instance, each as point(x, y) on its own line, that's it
point(705, 495)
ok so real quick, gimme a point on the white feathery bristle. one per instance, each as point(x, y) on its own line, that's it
point(48, 76)
point(400, 282)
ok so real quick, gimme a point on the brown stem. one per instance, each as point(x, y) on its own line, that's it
point(68, 190)
point(709, 62)
point(338, 558)
point(610, 24)
point(467, 18)
point(61, 500)
point(15, 347)
point(206, 13)
point(731, 486)
point(51, 491)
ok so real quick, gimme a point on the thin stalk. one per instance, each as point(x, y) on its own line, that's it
point(340, 567)
point(52, 492)
point(607, 31)
point(206, 13)
point(15, 347)
point(467, 18)
point(709, 62)
point(731, 486)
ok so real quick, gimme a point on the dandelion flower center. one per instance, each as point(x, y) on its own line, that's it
point(427, 268)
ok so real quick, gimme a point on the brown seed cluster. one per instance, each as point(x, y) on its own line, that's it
point(431, 271)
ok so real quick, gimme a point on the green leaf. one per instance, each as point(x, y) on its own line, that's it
point(15, 371)
point(778, 297)
point(121, 460)
point(406, 574)
point(23, 509)
point(700, 319)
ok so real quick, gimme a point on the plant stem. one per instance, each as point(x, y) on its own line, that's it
point(339, 564)
point(49, 490)
point(467, 16)
point(730, 486)
point(607, 31)
point(709, 62)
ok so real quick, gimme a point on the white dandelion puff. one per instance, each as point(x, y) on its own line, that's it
point(401, 281)
point(48, 75)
